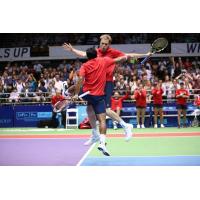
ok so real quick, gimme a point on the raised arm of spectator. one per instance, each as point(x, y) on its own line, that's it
point(179, 76)
point(180, 61)
point(69, 47)
point(172, 61)
point(71, 75)
point(189, 76)
point(33, 77)
point(126, 96)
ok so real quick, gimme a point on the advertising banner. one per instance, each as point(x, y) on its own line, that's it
point(185, 48)
point(29, 116)
point(6, 116)
point(14, 53)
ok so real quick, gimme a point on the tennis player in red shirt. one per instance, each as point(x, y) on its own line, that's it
point(140, 95)
point(92, 77)
point(157, 92)
point(181, 100)
point(116, 105)
point(105, 51)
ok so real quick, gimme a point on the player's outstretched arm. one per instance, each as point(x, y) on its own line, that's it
point(139, 55)
point(69, 47)
point(123, 58)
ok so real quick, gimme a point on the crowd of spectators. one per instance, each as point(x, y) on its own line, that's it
point(169, 72)
point(53, 39)
point(37, 82)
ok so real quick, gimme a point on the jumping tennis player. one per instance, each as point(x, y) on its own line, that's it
point(106, 51)
point(92, 77)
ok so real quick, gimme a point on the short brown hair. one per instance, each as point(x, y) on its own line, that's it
point(107, 37)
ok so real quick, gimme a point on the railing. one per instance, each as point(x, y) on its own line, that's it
point(45, 98)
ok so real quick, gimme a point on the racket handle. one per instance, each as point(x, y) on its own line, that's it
point(144, 60)
point(84, 94)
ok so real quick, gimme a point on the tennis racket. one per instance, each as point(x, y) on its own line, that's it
point(63, 104)
point(157, 46)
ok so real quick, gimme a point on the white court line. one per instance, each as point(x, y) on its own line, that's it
point(85, 155)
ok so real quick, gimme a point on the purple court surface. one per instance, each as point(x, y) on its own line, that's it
point(41, 152)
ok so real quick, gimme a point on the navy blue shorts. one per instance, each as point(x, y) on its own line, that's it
point(158, 106)
point(181, 107)
point(141, 107)
point(97, 102)
point(108, 93)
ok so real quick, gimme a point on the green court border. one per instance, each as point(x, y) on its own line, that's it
point(152, 146)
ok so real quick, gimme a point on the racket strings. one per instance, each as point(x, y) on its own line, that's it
point(159, 44)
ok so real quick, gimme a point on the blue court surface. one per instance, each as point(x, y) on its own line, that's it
point(143, 161)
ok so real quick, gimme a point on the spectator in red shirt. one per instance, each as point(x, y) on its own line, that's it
point(116, 105)
point(197, 110)
point(140, 95)
point(58, 97)
point(181, 99)
point(157, 92)
point(197, 101)
point(187, 64)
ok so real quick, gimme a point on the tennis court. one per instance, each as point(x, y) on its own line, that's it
point(60, 147)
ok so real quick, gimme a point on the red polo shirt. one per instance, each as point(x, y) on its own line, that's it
point(157, 96)
point(94, 71)
point(197, 101)
point(181, 100)
point(111, 53)
point(140, 98)
point(117, 103)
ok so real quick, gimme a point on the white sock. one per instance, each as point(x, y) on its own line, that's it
point(102, 138)
point(122, 123)
point(95, 132)
point(114, 122)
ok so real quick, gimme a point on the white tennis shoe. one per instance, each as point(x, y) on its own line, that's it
point(162, 126)
point(93, 139)
point(142, 126)
point(102, 147)
point(128, 132)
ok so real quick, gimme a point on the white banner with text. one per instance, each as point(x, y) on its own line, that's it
point(185, 48)
point(14, 53)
